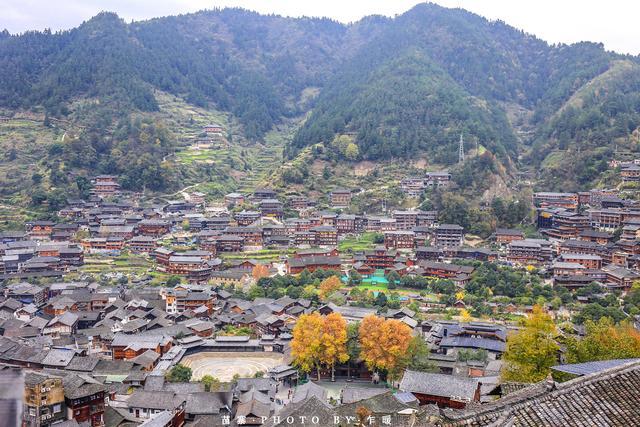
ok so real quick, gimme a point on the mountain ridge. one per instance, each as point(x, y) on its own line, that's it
point(395, 87)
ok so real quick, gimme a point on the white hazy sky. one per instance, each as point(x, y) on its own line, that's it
point(613, 22)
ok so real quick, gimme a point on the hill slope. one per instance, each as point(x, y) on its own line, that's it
point(373, 90)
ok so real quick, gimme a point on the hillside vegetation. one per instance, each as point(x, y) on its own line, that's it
point(375, 90)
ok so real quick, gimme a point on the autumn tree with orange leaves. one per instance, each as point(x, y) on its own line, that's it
point(384, 344)
point(307, 342)
point(334, 342)
point(319, 341)
point(329, 286)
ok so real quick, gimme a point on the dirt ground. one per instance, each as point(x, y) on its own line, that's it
point(224, 366)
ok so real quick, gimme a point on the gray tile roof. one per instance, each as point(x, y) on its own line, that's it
point(473, 342)
point(253, 408)
point(80, 385)
point(309, 408)
point(155, 400)
point(309, 389)
point(438, 384)
point(58, 357)
point(606, 398)
point(356, 394)
point(205, 403)
point(592, 367)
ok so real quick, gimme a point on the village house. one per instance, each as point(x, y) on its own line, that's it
point(340, 198)
point(233, 199)
point(298, 203)
point(311, 263)
point(39, 229)
point(605, 219)
point(229, 243)
point(182, 264)
point(252, 236)
point(446, 391)
point(588, 261)
point(64, 324)
point(238, 278)
point(505, 236)
point(399, 239)
point(438, 179)
point(246, 218)
point(380, 258)
point(448, 236)
point(43, 400)
point(561, 200)
point(27, 293)
point(272, 208)
point(529, 251)
point(324, 235)
point(563, 268)
point(167, 406)
point(153, 227)
point(128, 347)
point(345, 223)
point(600, 237)
point(264, 193)
point(444, 270)
point(620, 278)
point(105, 186)
point(103, 244)
point(180, 301)
point(142, 244)
point(84, 399)
point(630, 173)
point(412, 187)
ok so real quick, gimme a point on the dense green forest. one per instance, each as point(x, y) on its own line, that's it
point(386, 88)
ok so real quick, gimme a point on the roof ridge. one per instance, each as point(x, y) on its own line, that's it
point(540, 392)
point(605, 374)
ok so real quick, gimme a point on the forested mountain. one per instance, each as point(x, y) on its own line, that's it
point(393, 87)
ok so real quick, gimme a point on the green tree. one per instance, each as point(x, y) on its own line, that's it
point(355, 279)
point(533, 350)
point(210, 382)
point(173, 281)
point(418, 356)
point(394, 279)
point(179, 374)
point(353, 345)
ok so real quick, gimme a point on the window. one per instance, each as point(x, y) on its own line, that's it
point(57, 408)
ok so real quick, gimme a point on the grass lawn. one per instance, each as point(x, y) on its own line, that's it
point(357, 243)
point(375, 288)
point(261, 255)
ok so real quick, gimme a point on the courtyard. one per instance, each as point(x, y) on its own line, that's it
point(224, 366)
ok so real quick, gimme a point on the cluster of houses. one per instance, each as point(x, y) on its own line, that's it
point(629, 171)
point(588, 237)
point(415, 186)
point(99, 355)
